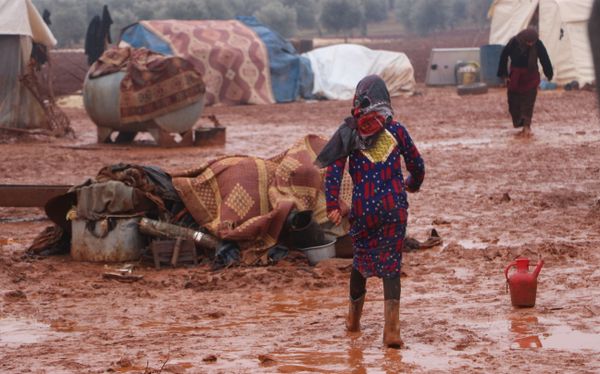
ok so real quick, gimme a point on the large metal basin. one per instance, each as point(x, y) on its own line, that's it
point(101, 98)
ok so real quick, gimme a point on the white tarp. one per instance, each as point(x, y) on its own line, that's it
point(338, 69)
point(20, 17)
point(562, 28)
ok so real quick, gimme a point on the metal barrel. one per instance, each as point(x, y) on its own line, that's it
point(101, 98)
point(489, 59)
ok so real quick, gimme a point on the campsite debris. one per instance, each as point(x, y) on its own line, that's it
point(168, 121)
point(33, 195)
point(167, 230)
point(214, 120)
point(57, 121)
point(209, 358)
point(472, 89)
point(440, 222)
point(443, 62)
point(572, 86)
point(123, 274)
point(204, 136)
point(265, 359)
point(127, 278)
point(173, 252)
point(111, 239)
point(15, 295)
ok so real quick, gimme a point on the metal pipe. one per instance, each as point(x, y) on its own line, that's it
point(163, 229)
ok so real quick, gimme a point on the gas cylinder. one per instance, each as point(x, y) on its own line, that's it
point(522, 283)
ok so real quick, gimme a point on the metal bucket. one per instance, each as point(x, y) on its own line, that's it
point(102, 97)
point(320, 252)
point(92, 241)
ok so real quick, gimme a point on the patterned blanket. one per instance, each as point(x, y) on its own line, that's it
point(247, 199)
point(153, 85)
point(232, 59)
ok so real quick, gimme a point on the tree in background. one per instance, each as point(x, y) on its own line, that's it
point(71, 17)
point(458, 12)
point(247, 7)
point(338, 15)
point(278, 17)
point(181, 9)
point(425, 16)
point(405, 13)
point(306, 12)
point(430, 15)
point(375, 10)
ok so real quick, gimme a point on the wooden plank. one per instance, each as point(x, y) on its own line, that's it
point(29, 195)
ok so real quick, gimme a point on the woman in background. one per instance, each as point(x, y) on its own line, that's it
point(523, 77)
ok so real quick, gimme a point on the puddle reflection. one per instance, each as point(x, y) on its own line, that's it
point(356, 358)
point(532, 333)
point(527, 342)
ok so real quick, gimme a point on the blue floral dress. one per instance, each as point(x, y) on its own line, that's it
point(379, 203)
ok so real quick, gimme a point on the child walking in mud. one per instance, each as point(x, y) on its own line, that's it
point(374, 143)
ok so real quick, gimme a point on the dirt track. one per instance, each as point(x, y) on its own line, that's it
point(490, 194)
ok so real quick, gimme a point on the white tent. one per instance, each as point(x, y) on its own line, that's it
point(562, 26)
point(337, 70)
point(20, 25)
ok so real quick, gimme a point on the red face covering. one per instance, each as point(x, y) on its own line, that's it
point(370, 123)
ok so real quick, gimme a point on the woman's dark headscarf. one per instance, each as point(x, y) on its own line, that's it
point(527, 40)
point(370, 98)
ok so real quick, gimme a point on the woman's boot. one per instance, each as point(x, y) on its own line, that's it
point(391, 329)
point(354, 313)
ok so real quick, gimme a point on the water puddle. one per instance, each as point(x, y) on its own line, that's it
point(564, 338)
point(451, 143)
point(14, 332)
point(531, 332)
point(472, 244)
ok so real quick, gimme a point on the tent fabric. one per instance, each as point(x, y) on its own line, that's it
point(289, 75)
point(508, 17)
point(20, 17)
point(20, 23)
point(562, 29)
point(232, 59)
point(18, 107)
point(337, 70)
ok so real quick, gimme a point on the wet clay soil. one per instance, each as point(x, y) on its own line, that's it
point(490, 194)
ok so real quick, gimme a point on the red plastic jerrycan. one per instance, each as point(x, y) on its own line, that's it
point(522, 283)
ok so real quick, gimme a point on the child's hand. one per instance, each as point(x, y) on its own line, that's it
point(335, 216)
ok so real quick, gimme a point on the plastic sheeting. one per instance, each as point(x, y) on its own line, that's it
point(562, 28)
point(20, 17)
point(291, 75)
point(138, 36)
point(18, 107)
point(338, 69)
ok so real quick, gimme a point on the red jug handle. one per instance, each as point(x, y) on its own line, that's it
point(508, 268)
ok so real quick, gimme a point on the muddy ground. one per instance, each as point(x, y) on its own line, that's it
point(490, 194)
